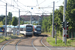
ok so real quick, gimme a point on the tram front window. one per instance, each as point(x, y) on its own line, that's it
point(29, 29)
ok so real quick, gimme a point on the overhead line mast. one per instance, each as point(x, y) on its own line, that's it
point(53, 20)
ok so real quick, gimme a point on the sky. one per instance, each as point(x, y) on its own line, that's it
point(28, 7)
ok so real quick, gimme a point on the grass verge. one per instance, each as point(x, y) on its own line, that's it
point(70, 42)
point(3, 38)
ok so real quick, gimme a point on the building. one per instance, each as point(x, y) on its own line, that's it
point(35, 18)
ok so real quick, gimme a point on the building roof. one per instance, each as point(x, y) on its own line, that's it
point(34, 17)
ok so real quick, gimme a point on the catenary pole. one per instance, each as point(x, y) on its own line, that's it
point(6, 22)
point(53, 20)
point(64, 10)
point(31, 18)
point(19, 21)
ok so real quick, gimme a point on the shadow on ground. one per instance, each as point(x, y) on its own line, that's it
point(41, 35)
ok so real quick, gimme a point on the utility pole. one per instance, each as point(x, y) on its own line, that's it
point(39, 20)
point(64, 9)
point(19, 21)
point(6, 22)
point(53, 20)
point(56, 24)
point(31, 18)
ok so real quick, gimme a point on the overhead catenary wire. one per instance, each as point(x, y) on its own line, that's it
point(18, 5)
point(22, 4)
point(32, 6)
point(21, 11)
point(55, 2)
point(49, 7)
point(58, 1)
point(25, 5)
point(41, 2)
point(37, 2)
point(2, 5)
point(10, 4)
point(2, 1)
point(13, 6)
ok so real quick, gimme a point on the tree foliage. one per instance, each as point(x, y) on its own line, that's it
point(1, 23)
point(9, 18)
point(46, 23)
point(70, 14)
point(21, 20)
point(10, 15)
point(2, 17)
point(14, 21)
point(58, 18)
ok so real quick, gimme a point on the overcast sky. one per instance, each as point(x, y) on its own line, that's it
point(26, 5)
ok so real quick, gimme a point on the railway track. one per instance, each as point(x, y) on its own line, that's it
point(12, 42)
point(9, 44)
point(42, 44)
point(4, 45)
point(27, 43)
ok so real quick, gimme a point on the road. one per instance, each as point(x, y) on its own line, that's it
point(30, 43)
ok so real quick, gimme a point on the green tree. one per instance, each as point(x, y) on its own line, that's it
point(1, 23)
point(10, 15)
point(4, 21)
point(21, 22)
point(70, 15)
point(44, 23)
point(58, 18)
point(14, 21)
point(9, 18)
point(49, 22)
point(2, 17)
point(7, 21)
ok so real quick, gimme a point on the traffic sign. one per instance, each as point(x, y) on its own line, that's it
point(31, 7)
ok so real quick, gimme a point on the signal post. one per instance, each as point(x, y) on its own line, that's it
point(64, 20)
point(65, 27)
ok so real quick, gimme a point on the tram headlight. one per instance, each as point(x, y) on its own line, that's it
point(35, 31)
